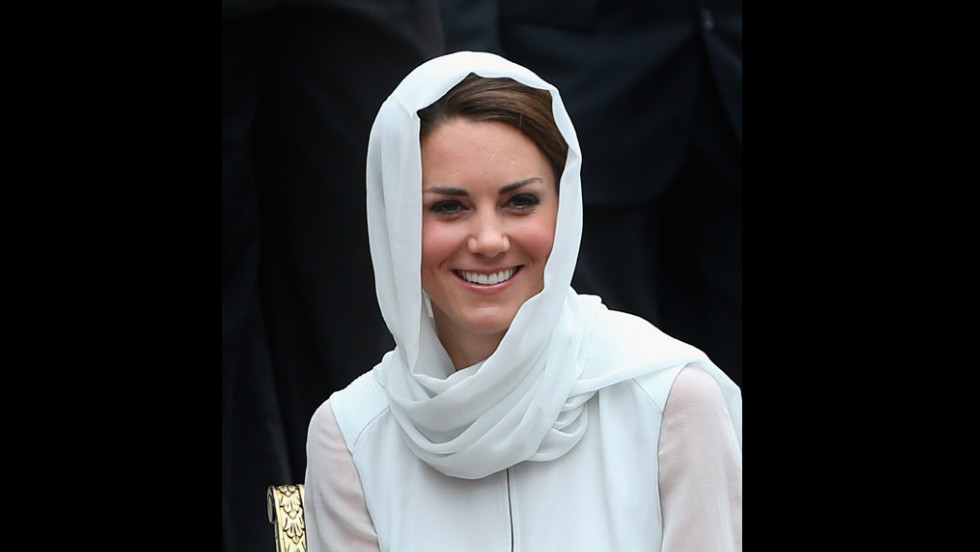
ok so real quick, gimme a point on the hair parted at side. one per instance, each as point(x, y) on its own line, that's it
point(503, 100)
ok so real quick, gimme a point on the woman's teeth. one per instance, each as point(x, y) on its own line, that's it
point(487, 279)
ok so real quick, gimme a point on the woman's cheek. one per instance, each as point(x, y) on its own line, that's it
point(439, 242)
point(537, 237)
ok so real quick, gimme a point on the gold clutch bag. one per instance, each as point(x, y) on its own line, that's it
point(285, 508)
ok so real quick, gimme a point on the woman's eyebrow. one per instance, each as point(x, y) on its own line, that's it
point(446, 191)
point(511, 187)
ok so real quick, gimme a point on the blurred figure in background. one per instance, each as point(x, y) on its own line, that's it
point(655, 90)
point(301, 84)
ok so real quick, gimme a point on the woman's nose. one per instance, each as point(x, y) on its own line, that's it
point(488, 237)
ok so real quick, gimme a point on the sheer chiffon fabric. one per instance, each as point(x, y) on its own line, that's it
point(700, 477)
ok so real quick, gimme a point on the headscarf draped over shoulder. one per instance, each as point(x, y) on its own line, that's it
point(526, 401)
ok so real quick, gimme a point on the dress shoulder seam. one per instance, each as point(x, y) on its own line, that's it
point(357, 406)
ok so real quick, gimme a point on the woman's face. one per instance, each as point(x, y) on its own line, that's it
point(489, 206)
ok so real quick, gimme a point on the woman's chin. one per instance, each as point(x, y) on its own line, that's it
point(484, 322)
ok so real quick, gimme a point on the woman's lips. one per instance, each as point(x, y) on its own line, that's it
point(487, 278)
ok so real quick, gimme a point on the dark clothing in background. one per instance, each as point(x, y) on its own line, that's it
point(301, 85)
point(654, 89)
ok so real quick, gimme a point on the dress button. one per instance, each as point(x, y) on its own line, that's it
point(706, 20)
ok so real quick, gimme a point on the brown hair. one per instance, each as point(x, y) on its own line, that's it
point(503, 100)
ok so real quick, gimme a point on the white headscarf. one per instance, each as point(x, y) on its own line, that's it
point(524, 402)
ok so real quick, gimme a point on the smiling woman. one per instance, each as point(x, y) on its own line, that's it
point(492, 157)
point(513, 413)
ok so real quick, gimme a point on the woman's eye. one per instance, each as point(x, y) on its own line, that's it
point(523, 201)
point(447, 207)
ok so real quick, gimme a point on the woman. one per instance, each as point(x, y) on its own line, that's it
point(513, 413)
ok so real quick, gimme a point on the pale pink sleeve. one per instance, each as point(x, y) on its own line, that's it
point(336, 515)
point(700, 468)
